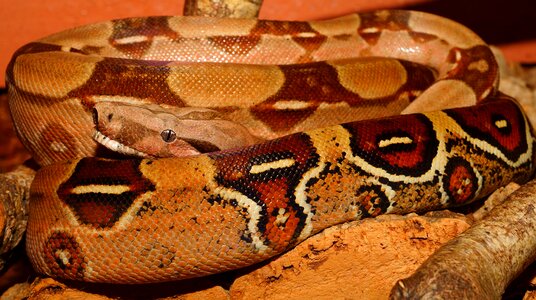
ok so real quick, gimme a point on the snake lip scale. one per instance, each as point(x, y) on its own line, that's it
point(373, 113)
point(116, 146)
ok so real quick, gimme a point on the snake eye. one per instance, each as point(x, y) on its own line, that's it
point(168, 135)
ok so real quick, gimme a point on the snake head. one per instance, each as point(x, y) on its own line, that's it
point(154, 131)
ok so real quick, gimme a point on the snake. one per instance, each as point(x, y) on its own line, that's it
point(384, 112)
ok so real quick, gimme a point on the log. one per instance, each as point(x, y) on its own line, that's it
point(481, 262)
point(223, 8)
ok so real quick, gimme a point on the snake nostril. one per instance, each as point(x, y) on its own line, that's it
point(95, 115)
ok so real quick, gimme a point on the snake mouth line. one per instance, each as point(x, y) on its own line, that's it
point(116, 146)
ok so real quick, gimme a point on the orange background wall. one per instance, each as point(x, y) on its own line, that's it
point(24, 21)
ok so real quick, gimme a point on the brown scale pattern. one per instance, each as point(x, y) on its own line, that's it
point(475, 67)
point(116, 77)
point(321, 81)
point(272, 191)
point(413, 157)
point(503, 127)
point(380, 21)
point(189, 217)
point(100, 209)
point(150, 28)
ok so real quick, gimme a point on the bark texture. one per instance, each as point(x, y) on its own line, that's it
point(480, 263)
point(14, 196)
point(223, 8)
point(358, 260)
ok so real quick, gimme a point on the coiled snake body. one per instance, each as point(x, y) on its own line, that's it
point(148, 220)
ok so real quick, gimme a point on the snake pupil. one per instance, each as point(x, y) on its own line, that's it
point(168, 135)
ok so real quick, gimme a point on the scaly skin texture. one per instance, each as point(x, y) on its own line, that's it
point(135, 220)
point(154, 131)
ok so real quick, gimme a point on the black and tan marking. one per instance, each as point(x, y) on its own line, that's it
point(500, 124)
point(100, 192)
point(135, 36)
point(460, 181)
point(263, 180)
point(63, 256)
point(400, 146)
point(307, 87)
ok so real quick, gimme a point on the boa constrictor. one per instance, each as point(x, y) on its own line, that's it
point(146, 220)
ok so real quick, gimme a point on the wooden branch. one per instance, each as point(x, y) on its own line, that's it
point(223, 8)
point(14, 196)
point(481, 262)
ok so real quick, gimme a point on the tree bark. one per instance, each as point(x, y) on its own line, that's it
point(481, 262)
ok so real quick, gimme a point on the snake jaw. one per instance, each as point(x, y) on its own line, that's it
point(116, 146)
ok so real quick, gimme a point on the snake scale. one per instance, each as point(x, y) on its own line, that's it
point(301, 86)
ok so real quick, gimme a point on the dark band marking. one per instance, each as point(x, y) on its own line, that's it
point(100, 191)
point(480, 79)
point(312, 83)
point(278, 28)
point(134, 36)
point(268, 175)
point(201, 146)
point(460, 181)
point(371, 201)
point(372, 24)
point(402, 145)
point(63, 256)
point(300, 32)
point(116, 77)
point(235, 45)
point(500, 123)
point(317, 83)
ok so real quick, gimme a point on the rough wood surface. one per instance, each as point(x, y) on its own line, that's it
point(50, 289)
point(480, 263)
point(223, 8)
point(359, 260)
point(14, 196)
